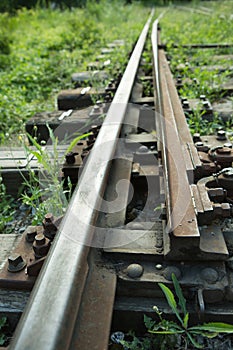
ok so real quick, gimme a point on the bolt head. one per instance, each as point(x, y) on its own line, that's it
point(170, 270)
point(185, 104)
point(40, 239)
point(223, 150)
point(221, 135)
point(16, 263)
point(143, 149)
point(31, 234)
point(134, 270)
point(199, 144)
point(202, 97)
point(196, 137)
point(49, 217)
point(209, 275)
point(70, 158)
point(228, 173)
point(96, 108)
point(228, 145)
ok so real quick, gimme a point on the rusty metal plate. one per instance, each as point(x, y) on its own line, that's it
point(67, 124)
point(19, 280)
point(93, 324)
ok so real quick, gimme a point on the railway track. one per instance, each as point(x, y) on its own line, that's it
point(151, 200)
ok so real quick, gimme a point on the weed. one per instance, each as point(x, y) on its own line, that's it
point(176, 335)
point(3, 323)
point(35, 68)
point(44, 191)
point(7, 210)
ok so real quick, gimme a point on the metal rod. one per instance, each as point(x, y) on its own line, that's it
point(49, 318)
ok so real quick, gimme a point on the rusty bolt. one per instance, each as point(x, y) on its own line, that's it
point(99, 103)
point(91, 136)
point(185, 104)
point(49, 217)
point(31, 234)
point(90, 139)
point(96, 108)
point(205, 104)
point(143, 149)
point(94, 129)
point(50, 228)
point(16, 263)
point(41, 246)
point(228, 173)
point(209, 275)
point(39, 239)
point(223, 150)
point(221, 135)
point(70, 158)
point(170, 270)
point(196, 137)
point(209, 168)
point(228, 145)
point(183, 99)
point(134, 270)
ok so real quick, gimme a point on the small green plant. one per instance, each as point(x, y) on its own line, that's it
point(6, 208)
point(44, 191)
point(3, 322)
point(175, 335)
point(188, 334)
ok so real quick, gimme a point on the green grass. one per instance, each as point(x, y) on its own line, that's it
point(183, 27)
point(40, 49)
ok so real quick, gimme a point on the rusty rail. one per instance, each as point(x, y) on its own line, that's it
point(49, 319)
point(173, 136)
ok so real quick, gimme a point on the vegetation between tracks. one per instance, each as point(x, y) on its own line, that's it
point(167, 334)
point(41, 48)
point(181, 27)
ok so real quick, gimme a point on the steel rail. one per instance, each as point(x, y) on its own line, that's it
point(159, 120)
point(181, 218)
point(50, 315)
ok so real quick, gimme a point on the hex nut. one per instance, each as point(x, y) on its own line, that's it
point(31, 234)
point(70, 158)
point(228, 173)
point(41, 246)
point(16, 263)
point(48, 217)
point(221, 135)
point(39, 239)
point(49, 226)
